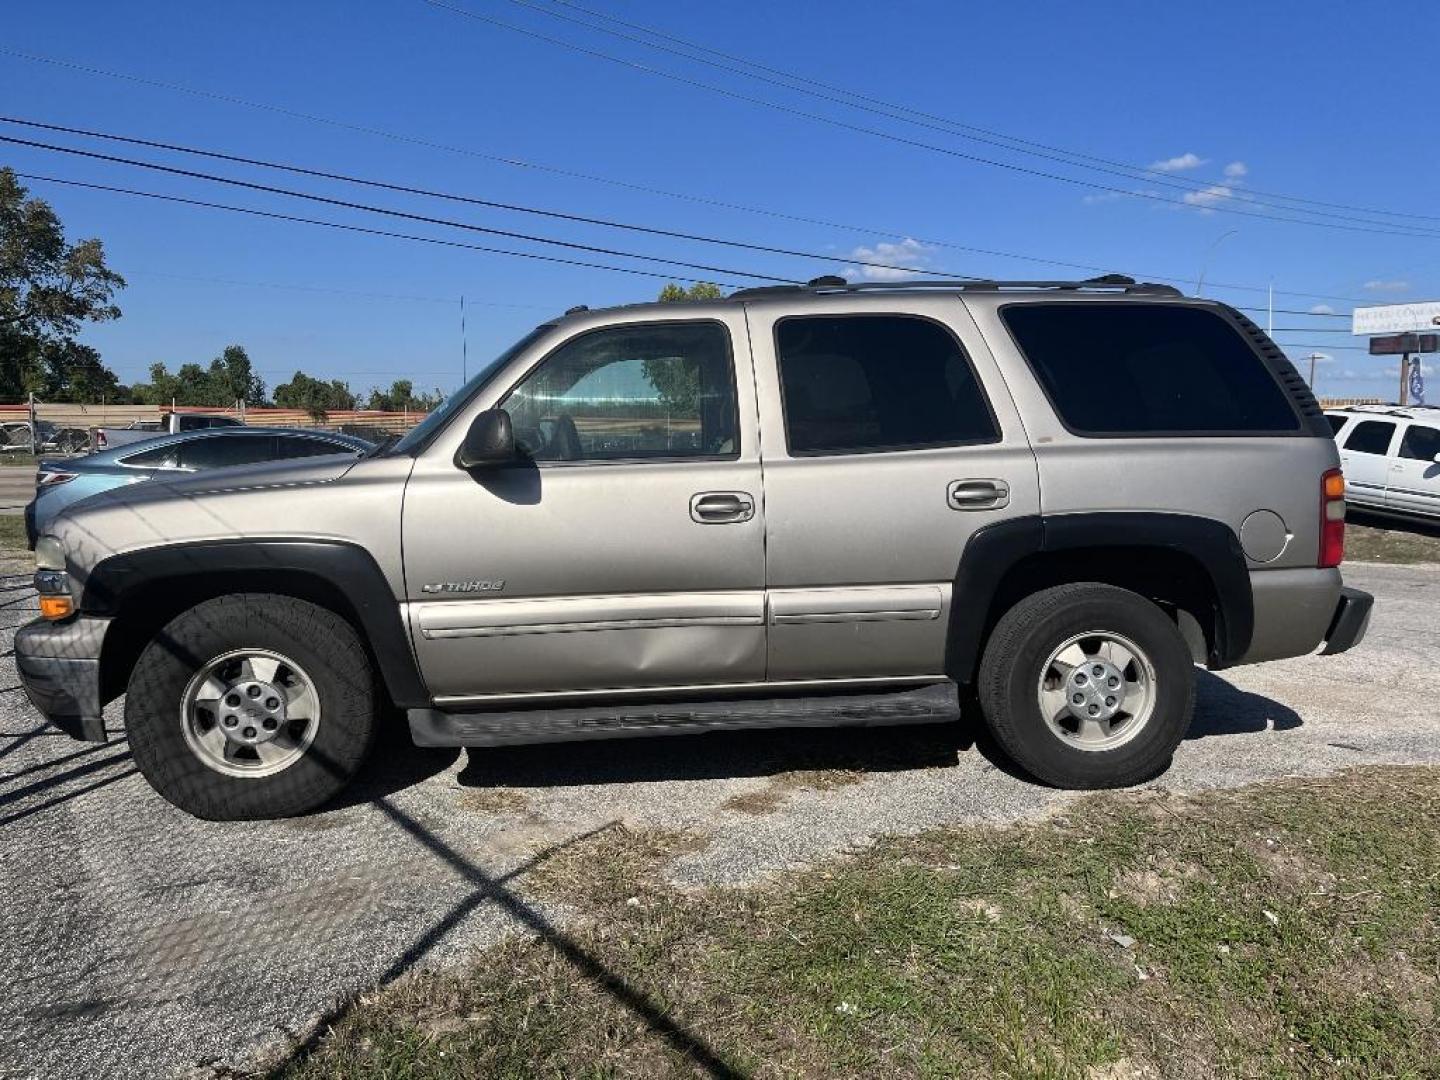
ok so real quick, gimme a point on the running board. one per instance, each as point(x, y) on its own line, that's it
point(935, 704)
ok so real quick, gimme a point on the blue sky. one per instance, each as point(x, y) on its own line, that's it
point(1246, 101)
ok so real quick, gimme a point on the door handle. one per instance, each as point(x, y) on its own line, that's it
point(977, 494)
point(721, 507)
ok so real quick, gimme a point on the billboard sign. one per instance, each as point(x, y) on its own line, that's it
point(1396, 318)
point(1393, 344)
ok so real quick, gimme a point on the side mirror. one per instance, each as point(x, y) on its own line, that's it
point(490, 441)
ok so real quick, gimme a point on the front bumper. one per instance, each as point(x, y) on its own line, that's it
point(1351, 620)
point(59, 666)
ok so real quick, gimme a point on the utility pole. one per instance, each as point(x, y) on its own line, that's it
point(464, 346)
point(1404, 377)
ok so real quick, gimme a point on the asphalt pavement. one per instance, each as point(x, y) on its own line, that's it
point(17, 487)
point(136, 941)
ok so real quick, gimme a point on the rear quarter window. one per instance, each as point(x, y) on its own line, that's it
point(1119, 369)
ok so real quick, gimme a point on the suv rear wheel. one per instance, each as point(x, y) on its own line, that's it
point(1087, 686)
point(251, 706)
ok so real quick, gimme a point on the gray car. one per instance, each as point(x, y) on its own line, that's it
point(821, 505)
point(60, 483)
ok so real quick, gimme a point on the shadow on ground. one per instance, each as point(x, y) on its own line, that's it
point(1220, 709)
point(1412, 526)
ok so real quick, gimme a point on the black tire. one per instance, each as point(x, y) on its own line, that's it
point(321, 642)
point(1011, 669)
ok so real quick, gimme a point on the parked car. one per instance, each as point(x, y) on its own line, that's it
point(174, 423)
point(1391, 457)
point(797, 506)
point(59, 484)
point(15, 438)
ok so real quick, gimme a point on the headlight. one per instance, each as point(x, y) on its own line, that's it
point(49, 554)
point(51, 580)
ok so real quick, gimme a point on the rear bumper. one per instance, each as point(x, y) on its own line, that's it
point(1296, 611)
point(59, 666)
point(1352, 619)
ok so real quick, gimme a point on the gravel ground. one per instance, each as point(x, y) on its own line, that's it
point(136, 941)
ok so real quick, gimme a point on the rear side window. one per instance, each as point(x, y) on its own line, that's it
point(221, 451)
point(293, 446)
point(162, 457)
point(1148, 369)
point(863, 383)
point(1371, 437)
point(1336, 422)
point(1421, 443)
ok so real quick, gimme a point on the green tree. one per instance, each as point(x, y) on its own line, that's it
point(231, 378)
point(49, 289)
point(401, 397)
point(701, 290)
point(315, 396)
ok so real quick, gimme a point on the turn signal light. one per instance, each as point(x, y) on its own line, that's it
point(56, 607)
point(1332, 518)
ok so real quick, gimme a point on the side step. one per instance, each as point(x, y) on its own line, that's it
point(933, 704)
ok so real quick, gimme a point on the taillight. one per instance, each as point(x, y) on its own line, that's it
point(51, 479)
point(1332, 518)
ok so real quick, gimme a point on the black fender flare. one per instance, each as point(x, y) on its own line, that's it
point(994, 550)
point(346, 568)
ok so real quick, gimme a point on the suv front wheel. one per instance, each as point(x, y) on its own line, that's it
point(1087, 686)
point(251, 706)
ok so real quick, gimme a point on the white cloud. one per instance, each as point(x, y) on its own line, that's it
point(1208, 197)
point(1383, 285)
point(1237, 169)
point(1100, 197)
point(1177, 164)
point(909, 254)
point(1322, 309)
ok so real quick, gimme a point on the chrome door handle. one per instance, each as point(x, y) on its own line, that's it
point(721, 507)
point(977, 494)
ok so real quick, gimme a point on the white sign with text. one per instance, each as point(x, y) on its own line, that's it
point(1396, 318)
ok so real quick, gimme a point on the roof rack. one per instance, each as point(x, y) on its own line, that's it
point(1105, 283)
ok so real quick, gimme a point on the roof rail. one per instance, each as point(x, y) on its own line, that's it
point(1104, 283)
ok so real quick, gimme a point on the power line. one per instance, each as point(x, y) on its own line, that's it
point(295, 287)
point(489, 203)
point(906, 114)
point(916, 143)
point(433, 194)
point(274, 215)
point(367, 208)
point(573, 174)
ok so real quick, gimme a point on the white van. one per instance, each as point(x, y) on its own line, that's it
point(1391, 457)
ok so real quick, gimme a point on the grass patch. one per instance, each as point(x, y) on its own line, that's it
point(13, 543)
point(1288, 929)
point(782, 785)
point(1391, 542)
point(496, 800)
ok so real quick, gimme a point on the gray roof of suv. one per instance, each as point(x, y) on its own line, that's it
point(1106, 285)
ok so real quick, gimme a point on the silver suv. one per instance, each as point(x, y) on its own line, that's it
point(820, 505)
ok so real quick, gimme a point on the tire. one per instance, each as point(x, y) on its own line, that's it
point(1016, 670)
point(174, 728)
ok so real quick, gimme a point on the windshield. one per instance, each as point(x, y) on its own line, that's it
point(422, 432)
